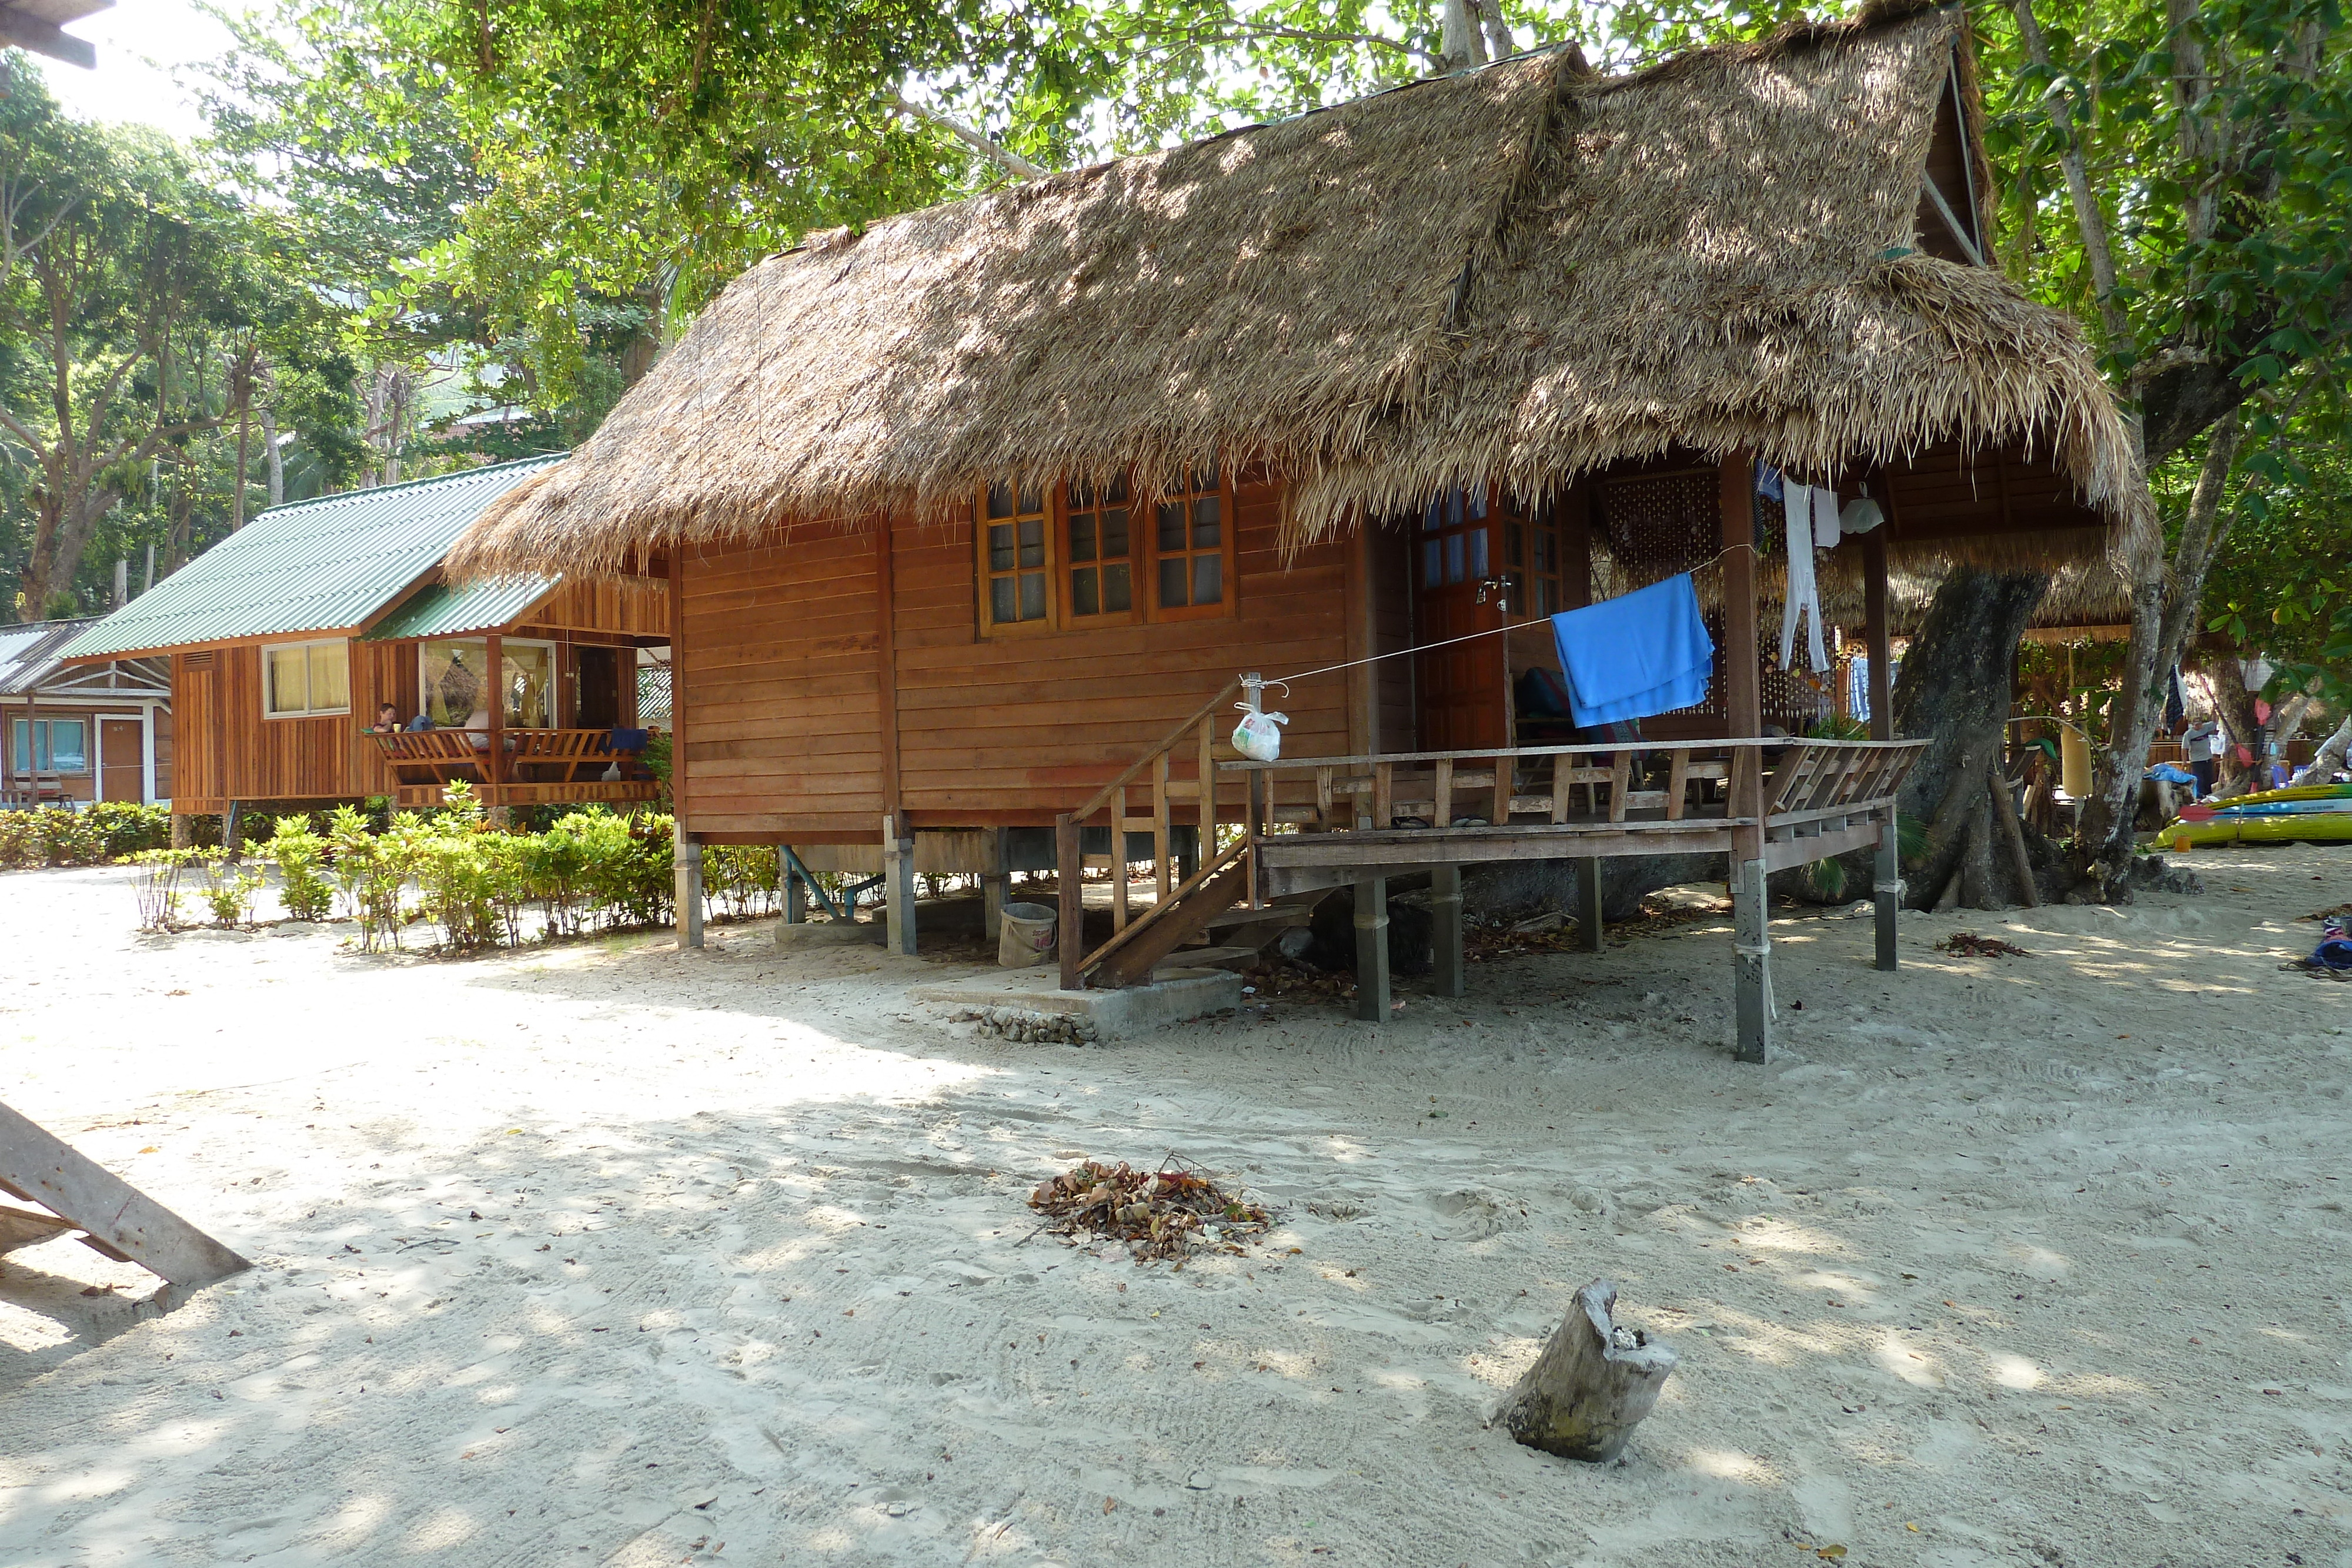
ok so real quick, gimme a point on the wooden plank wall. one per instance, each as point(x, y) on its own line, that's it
point(1016, 728)
point(638, 606)
point(779, 670)
point(258, 758)
point(781, 660)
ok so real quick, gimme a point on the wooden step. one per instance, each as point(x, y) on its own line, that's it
point(1277, 914)
point(1208, 959)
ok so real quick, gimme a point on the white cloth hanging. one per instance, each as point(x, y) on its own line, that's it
point(1804, 595)
point(1825, 519)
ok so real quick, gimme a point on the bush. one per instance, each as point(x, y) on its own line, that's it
point(95, 835)
point(299, 852)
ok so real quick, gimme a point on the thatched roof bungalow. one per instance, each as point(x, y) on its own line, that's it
point(1415, 368)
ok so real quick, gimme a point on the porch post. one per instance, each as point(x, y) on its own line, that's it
point(1588, 902)
point(1373, 948)
point(685, 861)
point(1751, 939)
point(1888, 889)
point(1445, 929)
point(494, 761)
point(899, 870)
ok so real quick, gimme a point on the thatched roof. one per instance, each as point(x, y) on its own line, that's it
point(1507, 275)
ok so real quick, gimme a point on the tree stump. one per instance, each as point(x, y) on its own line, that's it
point(1591, 1386)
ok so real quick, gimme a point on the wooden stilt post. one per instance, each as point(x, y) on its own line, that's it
point(1070, 925)
point(1445, 929)
point(685, 861)
point(1373, 948)
point(899, 869)
point(992, 889)
point(1888, 886)
point(1744, 699)
point(792, 898)
point(1587, 901)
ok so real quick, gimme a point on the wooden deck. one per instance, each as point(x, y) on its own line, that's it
point(529, 768)
point(1327, 821)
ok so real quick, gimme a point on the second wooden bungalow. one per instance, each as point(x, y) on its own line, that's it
point(286, 640)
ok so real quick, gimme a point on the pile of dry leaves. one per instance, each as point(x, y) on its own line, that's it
point(1968, 945)
point(1159, 1214)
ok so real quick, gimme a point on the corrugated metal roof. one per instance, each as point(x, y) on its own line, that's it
point(316, 566)
point(29, 653)
point(439, 609)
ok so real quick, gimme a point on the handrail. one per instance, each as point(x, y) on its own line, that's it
point(1483, 754)
point(1138, 766)
point(1209, 868)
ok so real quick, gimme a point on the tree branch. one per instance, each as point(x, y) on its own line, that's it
point(988, 147)
point(2089, 218)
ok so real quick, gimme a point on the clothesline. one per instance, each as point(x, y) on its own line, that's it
point(1466, 637)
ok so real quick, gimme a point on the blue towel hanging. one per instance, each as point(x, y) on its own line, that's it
point(1642, 652)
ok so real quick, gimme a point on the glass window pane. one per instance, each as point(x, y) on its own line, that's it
point(999, 546)
point(1477, 552)
point(1208, 579)
point(1435, 518)
point(1172, 526)
point(69, 746)
point(23, 747)
point(1082, 535)
point(1001, 600)
point(1515, 545)
point(1032, 541)
point(1431, 573)
point(330, 676)
point(527, 679)
point(1114, 534)
point(1205, 478)
point(1453, 558)
point(450, 674)
point(289, 679)
point(1544, 551)
point(1208, 512)
point(1082, 497)
point(1000, 500)
point(1032, 596)
point(1453, 509)
point(1478, 505)
point(1118, 592)
point(1171, 584)
point(1085, 592)
point(1117, 494)
point(1032, 502)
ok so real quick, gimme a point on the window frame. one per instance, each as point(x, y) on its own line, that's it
point(29, 732)
point(554, 674)
point(1229, 578)
point(1065, 567)
point(1536, 593)
point(985, 576)
point(1143, 556)
point(306, 644)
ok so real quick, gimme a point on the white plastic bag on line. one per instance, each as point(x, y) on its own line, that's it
point(1257, 737)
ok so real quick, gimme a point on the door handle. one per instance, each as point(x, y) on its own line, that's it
point(1500, 586)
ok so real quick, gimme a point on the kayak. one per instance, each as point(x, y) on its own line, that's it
point(2316, 814)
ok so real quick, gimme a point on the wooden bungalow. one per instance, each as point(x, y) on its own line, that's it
point(77, 733)
point(974, 519)
point(285, 639)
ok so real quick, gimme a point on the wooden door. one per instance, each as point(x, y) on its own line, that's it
point(599, 685)
point(1463, 689)
point(122, 774)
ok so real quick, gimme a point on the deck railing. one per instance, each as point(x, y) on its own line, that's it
point(1618, 783)
point(528, 765)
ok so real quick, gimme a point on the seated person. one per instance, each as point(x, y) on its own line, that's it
point(387, 719)
point(421, 722)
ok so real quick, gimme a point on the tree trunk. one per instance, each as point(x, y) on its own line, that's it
point(276, 455)
point(2234, 706)
point(1458, 39)
point(2164, 599)
point(1954, 691)
point(244, 462)
point(2328, 758)
point(1592, 1385)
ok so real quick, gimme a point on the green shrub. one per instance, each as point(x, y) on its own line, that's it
point(157, 886)
point(228, 890)
point(741, 878)
point(299, 852)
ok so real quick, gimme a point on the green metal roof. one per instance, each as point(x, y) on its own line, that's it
point(438, 610)
point(317, 566)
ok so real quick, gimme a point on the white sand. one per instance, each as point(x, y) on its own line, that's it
point(2043, 1257)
